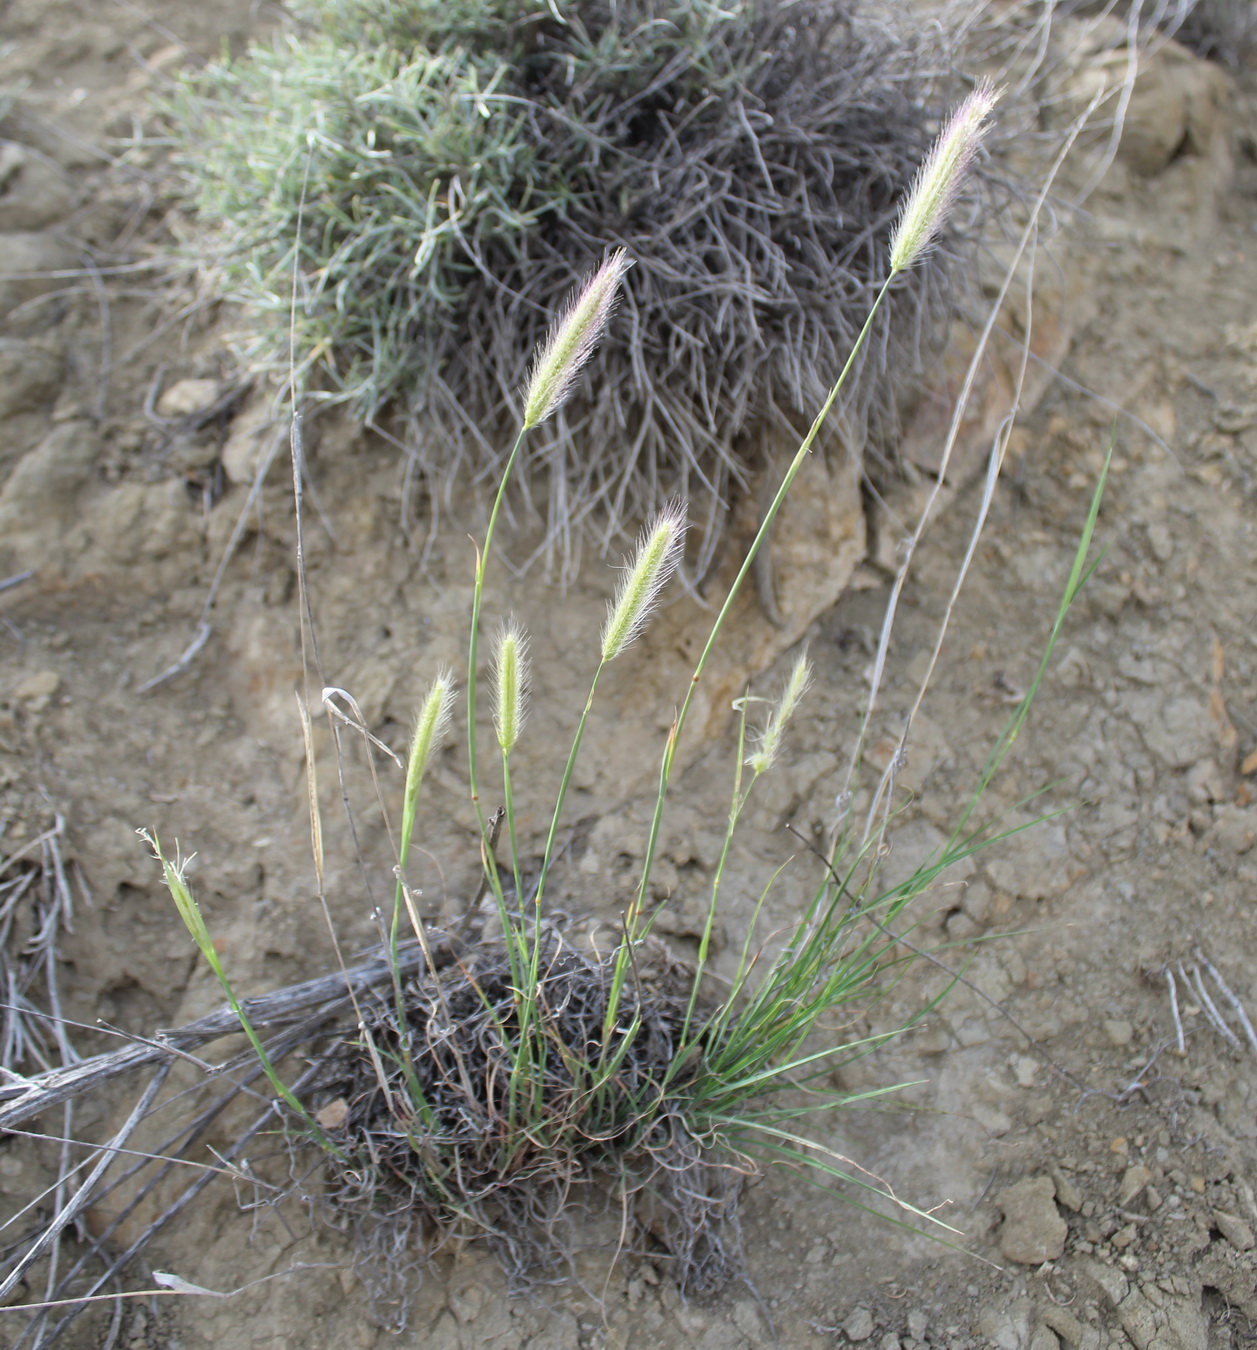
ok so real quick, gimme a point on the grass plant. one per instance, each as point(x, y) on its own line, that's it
point(500, 1090)
point(433, 178)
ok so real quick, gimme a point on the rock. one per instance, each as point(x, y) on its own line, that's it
point(43, 490)
point(34, 193)
point(248, 440)
point(466, 1301)
point(186, 397)
point(1064, 1323)
point(1006, 1328)
point(1033, 1230)
point(918, 1324)
point(1067, 1191)
point(1025, 1070)
point(960, 927)
point(29, 376)
point(43, 684)
point(1044, 1338)
point(976, 900)
point(859, 1326)
point(1111, 1283)
point(1119, 1032)
point(1234, 829)
point(912, 847)
point(28, 262)
point(1177, 105)
point(1135, 1179)
point(1155, 1322)
point(60, 519)
point(1180, 732)
point(1234, 1229)
point(1033, 864)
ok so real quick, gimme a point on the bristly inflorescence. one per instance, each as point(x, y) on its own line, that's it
point(572, 340)
point(510, 684)
point(657, 557)
point(939, 179)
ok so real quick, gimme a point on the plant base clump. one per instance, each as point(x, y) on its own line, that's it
point(435, 178)
point(451, 1125)
point(1222, 30)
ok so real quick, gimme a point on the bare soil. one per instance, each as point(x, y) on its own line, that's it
point(1102, 1174)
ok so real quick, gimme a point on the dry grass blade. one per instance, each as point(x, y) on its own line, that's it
point(24, 1099)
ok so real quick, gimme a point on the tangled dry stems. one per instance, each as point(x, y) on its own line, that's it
point(452, 181)
point(515, 1163)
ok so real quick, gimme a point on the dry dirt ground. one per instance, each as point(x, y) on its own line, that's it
point(1102, 1172)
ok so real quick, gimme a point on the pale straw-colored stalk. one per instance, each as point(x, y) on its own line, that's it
point(654, 561)
point(555, 367)
point(175, 875)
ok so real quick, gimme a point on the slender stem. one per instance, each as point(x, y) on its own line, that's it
point(473, 644)
point(735, 811)
point(548, 856)
point(674, 736)
point(508, 800)
point(482, 560)
point(528, 1002)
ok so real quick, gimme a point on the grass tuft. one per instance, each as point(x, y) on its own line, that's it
point(514, 1074)
point(436, 177)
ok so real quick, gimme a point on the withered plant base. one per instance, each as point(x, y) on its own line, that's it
point(428, 1108)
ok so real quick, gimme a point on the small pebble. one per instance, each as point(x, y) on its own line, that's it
point(1067, 1191)
point(186, 397)
point(1234, 1229)
point(859, 1326)
point(1119, 1032)
point(1134, 1181)
point(42, 684)
point(1033, 1230)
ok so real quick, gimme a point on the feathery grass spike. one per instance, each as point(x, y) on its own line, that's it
point(658, 553)
point(938, 179)
point(430, 726)
point(572, 339)
point(510, 684)
point(792, 691)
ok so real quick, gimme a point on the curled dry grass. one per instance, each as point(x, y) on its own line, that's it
point(438, 1144)
point(436, 177)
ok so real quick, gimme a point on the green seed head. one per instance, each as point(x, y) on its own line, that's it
point(572, 339)
point(657, 556)
point(430, 726)
point(792, 691)
point(510, 684)
point(934, 188)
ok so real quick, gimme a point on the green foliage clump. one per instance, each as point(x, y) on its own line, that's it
point(433, 177)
